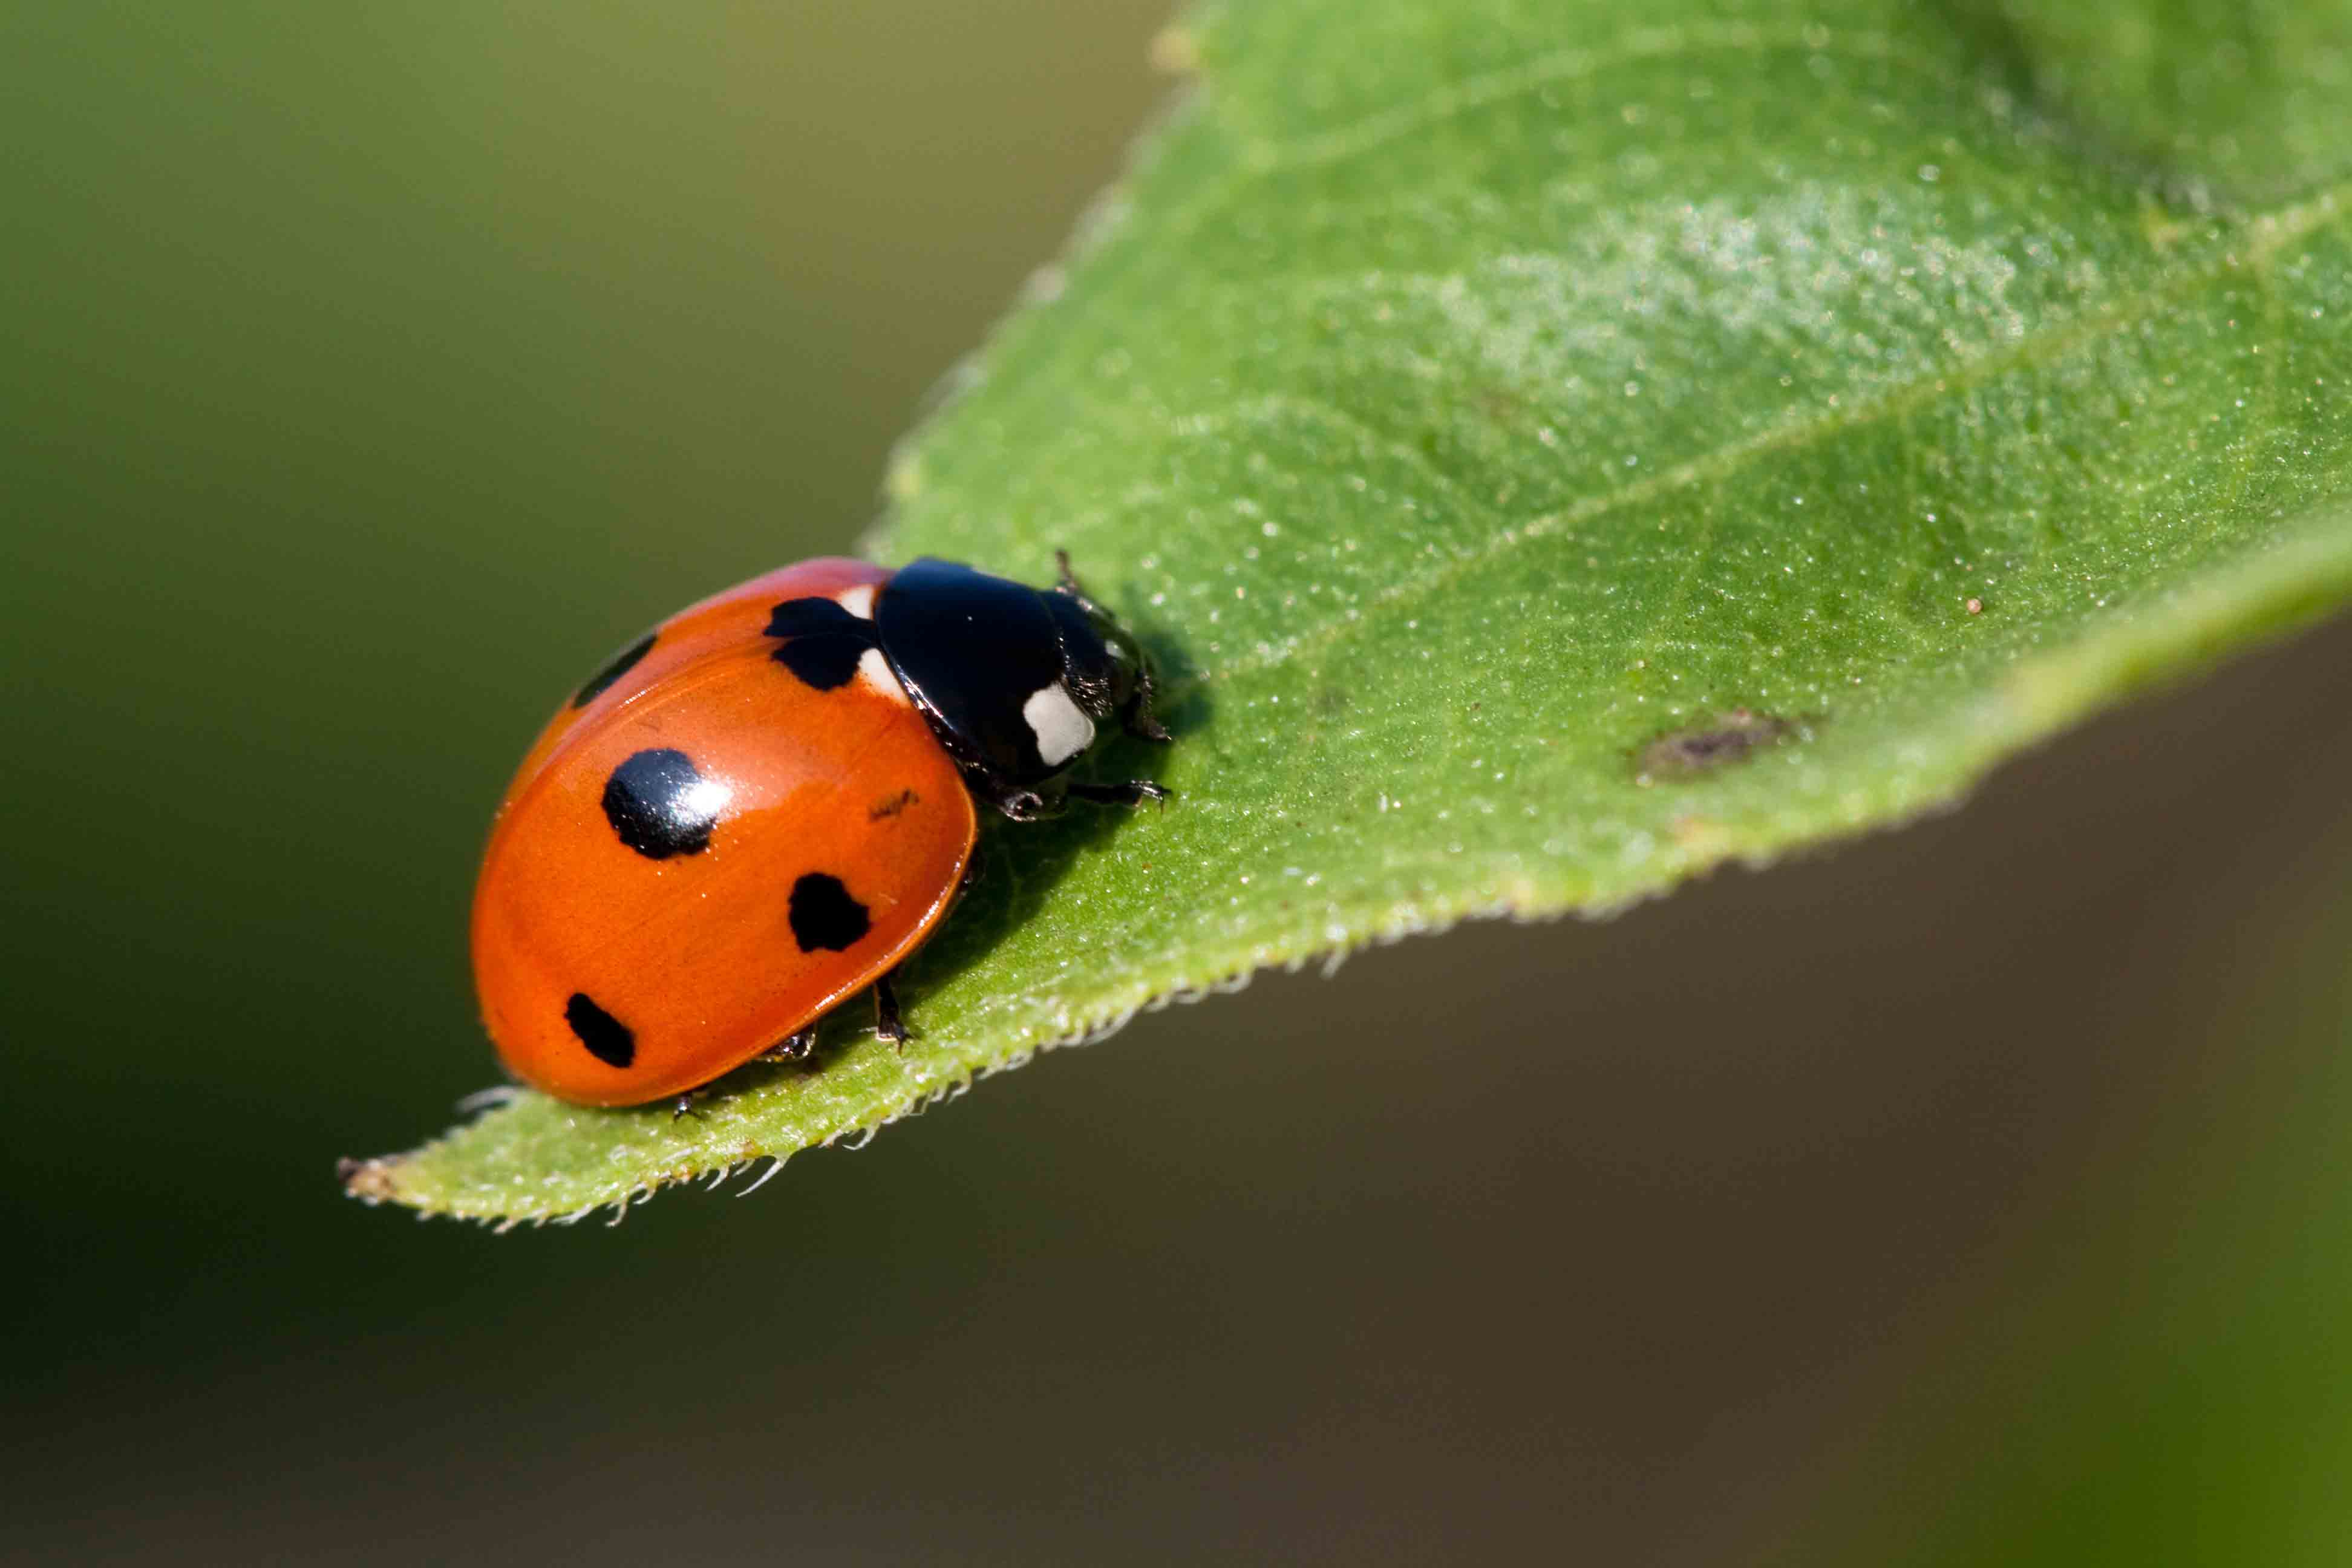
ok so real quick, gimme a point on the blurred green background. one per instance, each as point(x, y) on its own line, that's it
point(1975, 1194)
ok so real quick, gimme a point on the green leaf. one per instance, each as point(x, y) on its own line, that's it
point(1554, 449)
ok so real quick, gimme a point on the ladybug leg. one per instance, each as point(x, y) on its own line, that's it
point(1138, 719)
point(684, 1104)
point(1066, 582)
point(1016, 803)
point(1134, 792)
point(888, 1025)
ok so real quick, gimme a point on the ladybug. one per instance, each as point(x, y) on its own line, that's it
point(764, 804)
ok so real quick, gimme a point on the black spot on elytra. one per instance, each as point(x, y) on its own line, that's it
point(652, 803)
point(808, 617)
point(608, 1039)
point(823, 642)
point(620, 665)
point(823, 915)
point(893, 806)
point(823, 662)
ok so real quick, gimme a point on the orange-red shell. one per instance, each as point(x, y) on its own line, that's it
point(696, 955)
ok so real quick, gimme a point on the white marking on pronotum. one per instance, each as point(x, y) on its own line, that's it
point(857, 600)
point(1061, 730)
point(875, 670)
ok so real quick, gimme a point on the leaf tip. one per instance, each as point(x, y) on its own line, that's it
point(369, 1181)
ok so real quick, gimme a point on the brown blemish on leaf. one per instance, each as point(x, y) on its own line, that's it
point(1730, 738)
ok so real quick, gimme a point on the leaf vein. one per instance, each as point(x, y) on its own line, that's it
point(2274, 234)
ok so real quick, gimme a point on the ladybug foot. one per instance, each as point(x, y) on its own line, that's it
point(1025, 806)
point(888, 1025)
point(792, 1047)
point(1134, 792)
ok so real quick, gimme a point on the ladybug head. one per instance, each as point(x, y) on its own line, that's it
point(1106, 670)
point(1015, 682)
